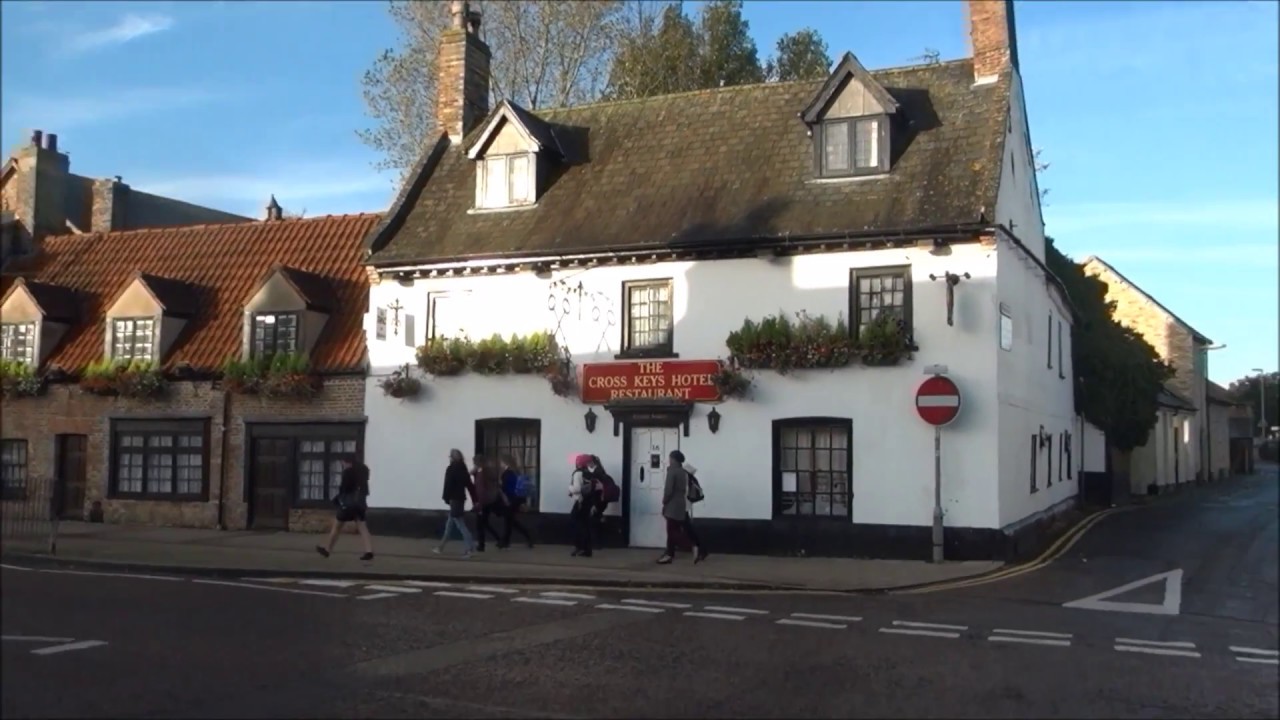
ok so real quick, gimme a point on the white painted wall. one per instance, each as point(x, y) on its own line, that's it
point(407, 441)
point(1031, 393)
point(1093, 456)
point(1018, 200)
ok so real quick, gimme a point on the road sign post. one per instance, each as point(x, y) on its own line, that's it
point(937, 403)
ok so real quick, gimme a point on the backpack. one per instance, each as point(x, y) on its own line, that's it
point(608, 488)
point(523, 486)
point(695, 493)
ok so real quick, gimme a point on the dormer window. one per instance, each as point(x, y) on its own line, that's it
point(506, 181)
point(852, 146)
point(275, 333)
point(133, 338)
point(850, 122)
point(18, 342)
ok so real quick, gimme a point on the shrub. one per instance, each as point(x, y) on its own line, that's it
point(18, 379)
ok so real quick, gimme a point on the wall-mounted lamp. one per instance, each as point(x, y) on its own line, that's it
point(590, 419)
point(713, 421)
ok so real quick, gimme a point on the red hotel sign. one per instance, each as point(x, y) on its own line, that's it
point(667, 379)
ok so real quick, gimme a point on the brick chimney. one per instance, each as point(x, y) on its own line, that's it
point(992, 38)
point(40, 190)
point(110, 198)
point(462, 89)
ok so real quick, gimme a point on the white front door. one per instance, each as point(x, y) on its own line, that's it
point(649, 450)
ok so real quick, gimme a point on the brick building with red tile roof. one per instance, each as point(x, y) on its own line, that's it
point(199, 376)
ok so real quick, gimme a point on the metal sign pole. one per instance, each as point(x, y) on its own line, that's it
point(937, 494)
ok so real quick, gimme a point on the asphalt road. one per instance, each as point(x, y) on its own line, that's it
point(194, 648)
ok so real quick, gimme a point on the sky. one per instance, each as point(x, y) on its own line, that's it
point(1158, 119)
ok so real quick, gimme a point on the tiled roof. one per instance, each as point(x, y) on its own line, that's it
point(176, 297)
point(717, 165)
point(1173, 400)
point(222, 264)
point(314, 290)
point(1221, 395)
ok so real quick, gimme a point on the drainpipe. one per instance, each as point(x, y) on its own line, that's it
point(226, 450)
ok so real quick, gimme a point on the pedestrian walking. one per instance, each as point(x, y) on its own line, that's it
point(582, 488)
point(457, 484)
point(487, 500)
point(515, 492)
point(352, 504)
point(695, 496)
point(675, 508)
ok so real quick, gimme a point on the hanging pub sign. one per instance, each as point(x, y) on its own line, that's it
point(691, 380)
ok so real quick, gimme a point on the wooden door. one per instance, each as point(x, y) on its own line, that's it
point(270, 470)
point(71, 476)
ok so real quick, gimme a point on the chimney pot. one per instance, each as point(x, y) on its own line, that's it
point(458, 10)
point(462, 88)
point(51, 142)
point(118, 178)
point(37, 138)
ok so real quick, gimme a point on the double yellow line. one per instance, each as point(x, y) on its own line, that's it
point(1056, 550)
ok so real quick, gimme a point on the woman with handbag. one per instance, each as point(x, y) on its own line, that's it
point(352, 502)
point(457, 485)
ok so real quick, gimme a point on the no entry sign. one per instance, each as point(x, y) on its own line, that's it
point(938, 400)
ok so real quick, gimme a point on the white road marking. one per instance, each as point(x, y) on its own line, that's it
point(450, 593)
point(1171, 605)
point(35, 638)
point(378, 596)
point(109, 574)
point(1261, 661)
point(724, 609)
point(1033, 633)
point(491, 589)
point(714, 616)
point(394, 588)
point(1029, 640)
point(1254, 651)
point(82, 645)
point(811, 623)
point(655, 603)
point(929, 633)
point(575, 596)
point(268, 587)
point(904, 623)
point(271, 580)
point(12, 567)
point(1157, 651)
point(324, 583)
point(835, 618)
point(632, 608)
point(426, 583)
point(544, 601)
point(1157, 643)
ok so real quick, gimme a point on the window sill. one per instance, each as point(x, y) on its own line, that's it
point(144, 497)
point(314, 505)
point(843, 179)
point(659, 354)
point(510, 208)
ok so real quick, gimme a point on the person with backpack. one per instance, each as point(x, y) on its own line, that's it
point(695, 496)
point(609, 490)
point(583, 489)
point(675, 508)
point(515, 492)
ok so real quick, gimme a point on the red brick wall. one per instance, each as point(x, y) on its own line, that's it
point(65, 409)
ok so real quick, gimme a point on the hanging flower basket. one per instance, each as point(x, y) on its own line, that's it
point(731, 381)
point(19, 380)
point(562, 377)
point(401, 383)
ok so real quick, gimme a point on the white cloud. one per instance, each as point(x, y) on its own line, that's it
point(127, 29)
point(319, 188)
point(59, 112)
point(1259, 215)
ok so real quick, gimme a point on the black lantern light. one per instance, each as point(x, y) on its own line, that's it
point(590, 419)
point(713, 421)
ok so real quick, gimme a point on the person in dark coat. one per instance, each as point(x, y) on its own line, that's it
point(487, 499)
point(352, 502)
point(510, 487)
point(675, 508)
point(457, 486)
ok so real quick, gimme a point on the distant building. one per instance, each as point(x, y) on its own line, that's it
point(641, 234)
point(40, 197)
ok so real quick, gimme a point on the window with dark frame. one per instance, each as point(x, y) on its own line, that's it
point(133, 338)
point(519, 438)
point(813, 461)
point(1061, 375)
point(320, 465)
point(880, 290)
point(1048, 348)
point(1048, 476)
point(161, 460)
point(274, 333)
point(19, 342)
point(13, 468)
point(1035, 446)
point(649, 319)
point(853, 146)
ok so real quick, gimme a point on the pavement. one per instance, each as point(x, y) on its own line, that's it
point(242, 553)
point(1199, 643)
